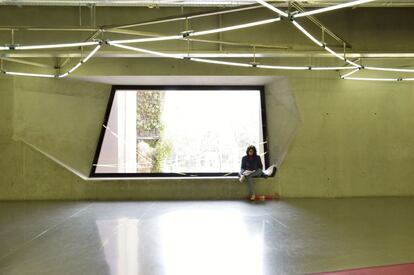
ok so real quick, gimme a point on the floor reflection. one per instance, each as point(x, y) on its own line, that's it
point(205, 242)
point(120, 244)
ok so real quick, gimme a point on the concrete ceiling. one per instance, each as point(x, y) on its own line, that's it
point(205, 3)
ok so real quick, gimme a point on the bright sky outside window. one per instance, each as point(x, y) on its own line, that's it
point(180, 131)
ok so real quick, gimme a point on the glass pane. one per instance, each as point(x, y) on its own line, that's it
point(180, 131)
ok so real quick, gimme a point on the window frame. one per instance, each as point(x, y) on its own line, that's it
point(116, 88)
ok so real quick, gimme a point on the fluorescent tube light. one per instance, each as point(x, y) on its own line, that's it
point(53, 46)
point(331, 68)
point(63, 75)
point(221, 62)
point(334, 53)
point(305, 32)
point(371, 79)
point(352, 63)
point(282, 67)
point(150, 39)
point(146, 51)
point(92, 53)
point(75, 67)
point(348, 74)
point(236, 27)
point(390, 69)
point(267, 5)
point(30, 74)
point(340, 6)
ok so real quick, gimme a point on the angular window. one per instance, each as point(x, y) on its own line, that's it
point(180, 131)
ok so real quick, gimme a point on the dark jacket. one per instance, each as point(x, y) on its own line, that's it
point(251, 163)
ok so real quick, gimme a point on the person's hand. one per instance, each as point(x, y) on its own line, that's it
point(248, 172)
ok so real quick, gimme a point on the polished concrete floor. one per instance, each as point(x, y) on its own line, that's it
point(204, 237)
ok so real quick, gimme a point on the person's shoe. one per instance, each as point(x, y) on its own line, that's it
point(252, 197)
point(242, 178)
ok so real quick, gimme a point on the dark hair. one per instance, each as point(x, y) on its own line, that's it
point(251, 147)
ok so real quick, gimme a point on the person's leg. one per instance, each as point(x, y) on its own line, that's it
point(242, 178)
point(250, 186)
point(250, 182)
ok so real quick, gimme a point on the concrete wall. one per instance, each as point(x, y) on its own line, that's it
point(62, 120)
point(355, 138)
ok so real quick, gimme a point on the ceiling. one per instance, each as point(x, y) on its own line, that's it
point(206, 3)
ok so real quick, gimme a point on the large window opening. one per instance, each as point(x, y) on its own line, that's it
point(180, 131)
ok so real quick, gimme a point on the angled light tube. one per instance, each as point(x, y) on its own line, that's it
point(53, 46)
point(236, 27)
point(390, 69)
point(317, 42)
point(282, 67)
point(340, 6)
point(150, 39)
point(331, 68)
point(146, 51)
point(350, 73)
point(352, 63)
point(81, 62)
point(63, 75)
point(74, 68)
point(221, 62)
point(30, 74)
point(334, 53)
point(305, 32)
point(92, 53)
point(267, 5)
point(371, 79)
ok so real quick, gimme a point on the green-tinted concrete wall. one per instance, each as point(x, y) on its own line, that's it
point(355, 139)
point(62, 119)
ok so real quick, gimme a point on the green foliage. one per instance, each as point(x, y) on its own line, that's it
point(149, 125)
point(148, 111)
point(163, 149)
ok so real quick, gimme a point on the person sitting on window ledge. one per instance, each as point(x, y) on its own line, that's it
point(251, 166)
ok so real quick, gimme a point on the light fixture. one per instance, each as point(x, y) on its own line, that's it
point(331, 68)
point(350, 73)
point(236, 27)
point(63, 75)
point(145, 51)
point(149, 39)
point(352, 63)
point(54, 46)
point(282, 67)
point(92, 53)
point(390, 69)
point(221, 62)
point(334, 53)
point(305, 32)
point(237, 64)
point(371, 79)
point(74, 68)
point(340, 6)
point(316, 41)
point(30, 74)
point(267, 5)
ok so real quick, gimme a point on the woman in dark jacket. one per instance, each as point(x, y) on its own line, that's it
point(251, 166)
